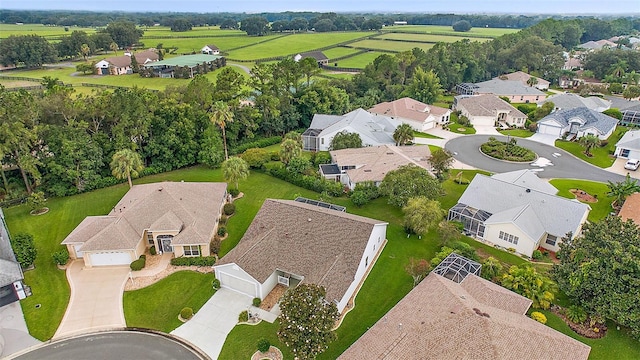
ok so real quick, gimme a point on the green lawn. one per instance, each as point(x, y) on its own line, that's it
point(157, 306)
point(428, 38)
point(195, 31)
point(339, 52)
point(243, 339)
point(599, 209)
point(455, 127)
point(224, 43)
point(522, 133)
point(433, 148)
point(7, 30)
point(359, 61)
point(425, 135)
point(438, 29)
point(602, 155)
point(395, 46)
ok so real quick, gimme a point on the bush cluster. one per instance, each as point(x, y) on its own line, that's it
point(257, 144)
point(229, 209)
point(194, 261)
point(312, 183)
point(139, 264)
point(539, 317)
point(186, 313)
point(243, 317)
point(536, 255)
point(576, 314)
point(24, 249)
point(263, 345)
point(507, 151)
point(257, 301)
point(234, 192)
point(256, 157)
point(321, 157)
point(364, 192)
point(222, 231)
point(215, 245)
point(60, 257)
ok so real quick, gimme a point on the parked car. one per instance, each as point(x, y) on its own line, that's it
point(632, 164)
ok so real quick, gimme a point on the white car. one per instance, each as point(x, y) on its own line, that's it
point(632, 164)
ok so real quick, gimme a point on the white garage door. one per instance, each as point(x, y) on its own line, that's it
point(79, 253)
point(111, 258)
point(550, 130)
point(237, 284)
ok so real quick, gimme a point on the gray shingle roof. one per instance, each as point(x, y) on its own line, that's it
point(570, 101)
point(507, 88)
point(526, 178)
point(318, 55)
point(556, 214)
point(10, 270)
point(589, 118)
point(325, 246)
point(475, 319)
point(373, 129)
point(523, 217)
point(630, 140)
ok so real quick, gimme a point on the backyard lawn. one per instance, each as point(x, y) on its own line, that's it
point(602, 156)
point(599, 209)
point(157, 306)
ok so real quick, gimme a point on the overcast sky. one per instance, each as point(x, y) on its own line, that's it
point(423, 6)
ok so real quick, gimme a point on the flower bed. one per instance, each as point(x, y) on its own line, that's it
point(597, 331)
point(507, 151)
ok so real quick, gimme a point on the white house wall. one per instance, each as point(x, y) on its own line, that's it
point(633, 153)
point(235, 271)
point(525, 246)
point(482, 120)
point(268, 285)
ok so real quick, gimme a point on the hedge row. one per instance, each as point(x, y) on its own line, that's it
point(312, 183)
point(194, 261)
point(257, 144)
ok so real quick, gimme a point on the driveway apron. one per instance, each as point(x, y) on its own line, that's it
point(208, 329)
point(96, 299)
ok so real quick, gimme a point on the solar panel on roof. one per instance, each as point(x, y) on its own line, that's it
point(321, 204)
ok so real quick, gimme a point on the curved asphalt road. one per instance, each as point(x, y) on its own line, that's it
point(114, 345)
point(466, 149)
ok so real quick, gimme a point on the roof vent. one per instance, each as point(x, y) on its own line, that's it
point(528, 190)
point(159, 189)
point(309, 220)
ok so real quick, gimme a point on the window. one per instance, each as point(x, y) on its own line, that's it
point(150, 237)
point(191, 250)
point(322, 141)
point(508, 238)
point(551, 240)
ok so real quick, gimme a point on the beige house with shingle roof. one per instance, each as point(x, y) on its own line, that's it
point(418, 115)
point(372, 163)
point(475, 319)
point(488, 110)
point(631, 209)
point(290, 242)
point(177, 217)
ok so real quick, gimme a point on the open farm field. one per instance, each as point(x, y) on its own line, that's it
point(292, 44)
point(7, 30)
point(395, 46)
point(430, 38)
point(337, 52)
point(474, 32)
point(359, 61)
point(196, 31)
point(225, 43)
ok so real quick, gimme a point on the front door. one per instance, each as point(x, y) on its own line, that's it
point(165, 243)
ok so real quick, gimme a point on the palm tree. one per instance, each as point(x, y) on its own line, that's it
point(235, 169)
point(403, 134)
point(126, 163)
point(589, 141)
point(289, 149)
point(220, 115)
point(114, 47)
point(618, 69)
point(533, 81)
point(85, 50)
point(620, 190)
point(526, 281)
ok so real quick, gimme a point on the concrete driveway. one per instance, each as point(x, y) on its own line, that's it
point(96, 299)
point(544, 138)
point(208, 329)
point(14, 335)
point(618, 168)
point(486, 130)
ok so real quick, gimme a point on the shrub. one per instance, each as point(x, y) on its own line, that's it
point(533, 127)
point(243, 317)
point(256, 157)
point(60, 257)
point(194, 261)
point(313, 183)
point(257, 301)
point(137, 265)
point(322, 157)
point(215, 245)
point(152, 250)
point(215, 284)
point(24, 249)
point(536, 255)
point(222, 231)
point(539, 317)
point(234, 192)
point(143, 256)
point(464, 121)
point(576, 314)
point(263, 345)
point(186, 313)
point(229, 209)
point(359, 198)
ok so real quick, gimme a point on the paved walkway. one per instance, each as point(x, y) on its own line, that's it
point(165, 260)
point(486, 130)
point(14, 335)
point(96, 299)
point(208, 329)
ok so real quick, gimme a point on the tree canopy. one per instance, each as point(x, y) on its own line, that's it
point(255, 26)
point(124, 33)
point(346, 140)
point(409, 181)
point(462, 25)
point(27, 50)
point(421, 214)
point(235, 169)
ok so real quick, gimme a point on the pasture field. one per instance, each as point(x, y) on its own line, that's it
point(224, 43)
point(196, 31)
point(474, 32)
point(292, 44)
point(395, 46)
point(359, 61)
point(7, 30)
point(429, 38)
point(337, 52)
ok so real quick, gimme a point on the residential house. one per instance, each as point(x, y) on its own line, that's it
point(570, 101)
point(189, 64)
point(420, 116)
point(631, 209)
point(572, 63)
point(210, 50)
point(353, 166)
point(628, 146)
point(489, 110)
point(174, 217)
point(569, 82)
point(319, 56)
point(12, 288)
point(576, 123)
point(523, 77)
point(514, 90)
point(373, 129)
point(597, 45)
point(631, 115)
point(121, 65)
point(462, 318)
point(519, 211)
point(290, 242)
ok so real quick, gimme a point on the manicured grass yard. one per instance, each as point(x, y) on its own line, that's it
point(522, 133)
point(243, 339)
point(602, 155)
point(425, 135)
point(359, 61)
point(224, 43)
point(600, 209)
point(338, 52)
point(455, 127)
point(157, 306)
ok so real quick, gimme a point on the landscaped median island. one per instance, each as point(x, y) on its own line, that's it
point(507, 150)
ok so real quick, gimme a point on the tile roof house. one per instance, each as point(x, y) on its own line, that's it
point(373, 129)
point(489, 110)
point(177, 217)
point(319, 56)
point(523, 77)
point(571, 101)
point(419, 115)
point(290, 242)
point(374, 162)
point(514, 90)
point(577, 122)
point(474, 319)
point(631, 209)
point(518, 210)
point(12, 288)
point(121, 65)
point(628, 146)
point(210, 50)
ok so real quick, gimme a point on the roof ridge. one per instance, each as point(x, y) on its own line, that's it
point(256, 243)
point(530, 189)
point(338, 257)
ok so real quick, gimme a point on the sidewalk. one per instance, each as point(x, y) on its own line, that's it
point(165, 260)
